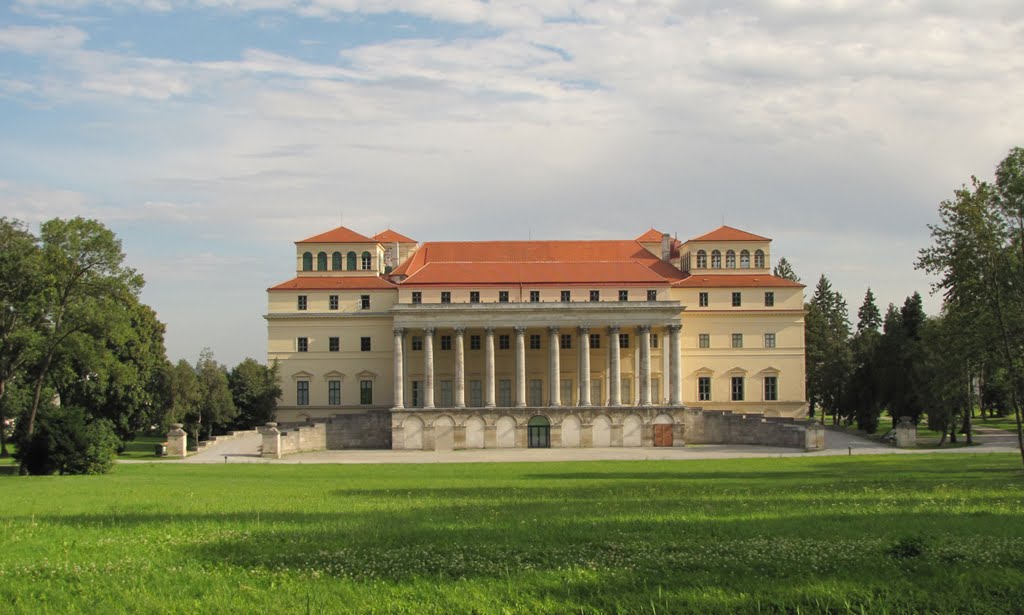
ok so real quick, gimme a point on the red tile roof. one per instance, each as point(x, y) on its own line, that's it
point(735, 281)
point(535, 262)
point(335, 283)
point(390, 236)
point(650, 236)
point(339, 235)
point(728, 233)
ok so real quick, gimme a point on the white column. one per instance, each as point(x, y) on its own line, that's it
point(675, 366)
point(554, 369)
point(615, 376)
point(584, 366)
point(644, 333)
point(460, 368)
point(428, 368)
point(521, 367)
point(399, 369)
point(489, 368)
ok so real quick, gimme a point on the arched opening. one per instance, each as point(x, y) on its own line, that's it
point(539, 432)
point(505, 430)
point(321, 261)
point(759, 259)
point(474, 432)
point(601, 432)
point(632, 431)
point(745, 259)
point(716, 259)
point(702, 259)
point(307, 261)
point(366, 261)
point(730, 260)
point(570, 432)
point(412, 428)
point(663, 430)
point(444, 434)
point(336, 261)
point(351, 261)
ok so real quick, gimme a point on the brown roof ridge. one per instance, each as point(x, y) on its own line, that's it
point(340, 234)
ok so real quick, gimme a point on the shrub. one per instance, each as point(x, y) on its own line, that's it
point(68, 441)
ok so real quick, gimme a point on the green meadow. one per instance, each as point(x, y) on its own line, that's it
point(888, 534)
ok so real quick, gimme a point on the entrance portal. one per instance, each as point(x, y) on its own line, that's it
point(539, 431)
point(663, 435)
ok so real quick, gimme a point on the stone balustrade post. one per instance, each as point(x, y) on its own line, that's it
point(906, 433)
point(177, 441)
point(271, 441)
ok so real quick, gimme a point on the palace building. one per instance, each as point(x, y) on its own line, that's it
point(479, 344)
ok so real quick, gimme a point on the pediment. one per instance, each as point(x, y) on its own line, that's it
point(303, 375)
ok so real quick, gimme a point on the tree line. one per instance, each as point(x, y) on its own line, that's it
point(83, 366)
point(968, 357)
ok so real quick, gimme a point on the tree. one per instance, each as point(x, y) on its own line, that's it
point(86, 280)
point(68, 441)
point(785, 271)
point(21, 307)
point(868, 316)
point(866, 380)
point(214, 404)
point(254, 390)
point(829, 359)
point(182, 393)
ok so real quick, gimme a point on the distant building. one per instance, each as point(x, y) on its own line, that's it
point(534, 343)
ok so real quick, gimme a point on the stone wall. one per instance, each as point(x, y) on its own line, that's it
point(305, 438)
point(721, 427)
point(370, 429)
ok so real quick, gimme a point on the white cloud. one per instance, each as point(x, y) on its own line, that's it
point(40, 40)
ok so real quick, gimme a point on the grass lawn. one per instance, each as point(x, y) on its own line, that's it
point(1008, 423)
point(142, 447)
point(896, 534)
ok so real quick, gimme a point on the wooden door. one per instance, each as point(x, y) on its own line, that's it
point(662, 435)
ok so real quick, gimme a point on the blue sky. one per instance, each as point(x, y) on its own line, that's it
point(211, 134)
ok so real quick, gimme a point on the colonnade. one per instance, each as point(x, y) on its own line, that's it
point(643, 332)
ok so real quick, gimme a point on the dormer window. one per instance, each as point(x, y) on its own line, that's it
point(336, 261)
point(716, 259)
point(759, 259)
point(730, 260)
point(502, 296)
point(702, 259)
point(366, 261)
point(321, 261)
point(350, 259)
point(307, 261)
point(446, 296)
point(745, 259)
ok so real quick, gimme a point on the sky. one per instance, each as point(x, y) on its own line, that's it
point(212, 134)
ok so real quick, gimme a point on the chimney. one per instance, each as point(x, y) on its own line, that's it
point(666, 247)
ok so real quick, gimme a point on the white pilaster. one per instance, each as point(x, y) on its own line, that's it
point(554, 368)
point(675, 366)
point(521, 367)
point(428, 368)
point(460, 368)
point(584, 351)
point(399, 401)
point(644, 333)
point(615, 377)
point(489, 367)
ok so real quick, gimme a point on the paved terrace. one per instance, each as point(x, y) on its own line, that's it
point(245, 449)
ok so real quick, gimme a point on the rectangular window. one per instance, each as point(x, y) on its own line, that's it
point(652, 295)
point(503, 343)
point(626, 391)
point(536, 393)
point(737, 299)
point(502, 296)
point(334, 344)
point(474, 342)
point(446, 342)
point(769, 299)
point(623, 295)
point(654, 340)
point(565, 392)
point(704, 388)
point(566, 295)
point(364, 344)
point(623, 340)
point(333, 302)
point(769, 340)
point(302, 344)
point(417, 393)
point(704, 340)
point(737, 388)
point(417, 297)
point(446, 296)
point(565, 341)
point(595, 295)
point(447, 398)
point(771, 388)
point(474, 296)
point(534, 342)
point(302, 302)
point(366, 392)
point(476, 394)
point(505, 393)
point(417, 342)
point(703, 299)
point(302, 393)
point(334, 392)
point(364, 302)
point(595, 340)
point(534, 296)
point(737, 340)
point(656, 391)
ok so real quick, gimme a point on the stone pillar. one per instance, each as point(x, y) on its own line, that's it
point(489, 367)
point(814, 437)
point(584, 366)
point(644, 333)
point(554, 369)
point(521, 367)
point(906, 433)
point(614, 370)
point(177, 441)
point(271, 441)
point(675, 367)
point(399, 368)
point(428, 368)
point(460, 368)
